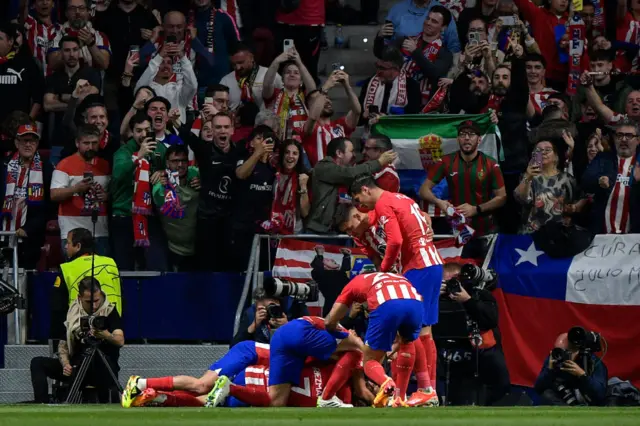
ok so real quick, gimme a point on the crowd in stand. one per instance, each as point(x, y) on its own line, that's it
point(176, 131)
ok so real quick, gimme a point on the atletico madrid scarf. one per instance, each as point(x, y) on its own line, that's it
point(171, 206)
point(283, 208)
point(104, 140)
point(397, 95)
point(286, 106)
point(430, 51)
point(21, 183)
point(141, 207)
point(494, 103)
point(246, 85)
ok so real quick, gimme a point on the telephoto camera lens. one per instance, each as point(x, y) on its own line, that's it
point(453, 286)
point(276, 287)
point(584, 339)
point(274, 311)
point(566, 394)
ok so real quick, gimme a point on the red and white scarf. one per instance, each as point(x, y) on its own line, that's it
point(283, 208)
point(246, 85)
point(290, 110)
point(577, 32)
point(21, 184)
point(430, 51)
point(141, 205)
point(494, 103)
point(616, 214)
point(397, 96)
point(104, 139)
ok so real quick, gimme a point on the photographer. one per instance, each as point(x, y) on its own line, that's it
point(103, 329)
point(467, 308)
point(566, 380)
point(267, 314)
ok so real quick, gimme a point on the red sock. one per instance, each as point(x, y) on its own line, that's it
point(432, 356)
point(181, 399)
point(252, 396)
point(375, 372)
point(161, 383)
point(405, 360)
point(341, 373)
point(421, 368)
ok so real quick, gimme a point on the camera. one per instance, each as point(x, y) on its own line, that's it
point(276, 287)
point(566, 394)
point(559, 356)
point(452, 286)
point(473, 274)
point(93, 321)
point(274, 311)
point(585, 340)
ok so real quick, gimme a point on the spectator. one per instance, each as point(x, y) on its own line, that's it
point(214, 153)
point(304, 26)
point(140, 98)
point(25, 191)
point(217, 33)
point(626, 24)
point(288, 102)
point(536, 67)
point(61, 84)
point(476, 87)
point(390, 89)
point(246, 82)
point(465, 168)
point(331, 178)
point(606, 114)
point(427, 57)
point(478, 54)
point(548, 193)
point(8, 130)
point(20, 79)
point(126, 24)
point(373, 147)
point(408, 20)
point(319, 129)
point(176, 196)
point(610, 176)
point(174, 34)
point(484, 10)
point(179, 89)
point(79, 184)
point(253, 192)
point(245, 121)
point(216, 99)
point(157, 108)
point(96, 50)
point(41, 31)
point(291, 200)
point(544, 20)
point(136, 236)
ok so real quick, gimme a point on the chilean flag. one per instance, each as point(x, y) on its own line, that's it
point(540, 297)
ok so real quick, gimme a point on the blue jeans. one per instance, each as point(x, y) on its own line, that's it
point(101, 247)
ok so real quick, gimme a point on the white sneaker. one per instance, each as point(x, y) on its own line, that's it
point(219, 393)
point(334, 402)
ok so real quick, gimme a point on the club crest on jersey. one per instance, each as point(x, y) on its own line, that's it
point(481, 174)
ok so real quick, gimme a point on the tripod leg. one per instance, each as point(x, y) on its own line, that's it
point(110, 370)
point(74, 393)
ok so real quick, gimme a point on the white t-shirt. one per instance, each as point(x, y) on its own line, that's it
point(235, 95)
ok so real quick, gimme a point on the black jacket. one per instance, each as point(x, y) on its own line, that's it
point(217, 174)
point(21, 85)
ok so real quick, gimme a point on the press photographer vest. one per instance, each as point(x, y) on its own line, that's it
point(106, 272)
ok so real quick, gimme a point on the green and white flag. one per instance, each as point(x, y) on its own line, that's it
point(421, 140)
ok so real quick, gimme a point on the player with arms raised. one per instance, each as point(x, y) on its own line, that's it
point(408, 236)
point(395, 308)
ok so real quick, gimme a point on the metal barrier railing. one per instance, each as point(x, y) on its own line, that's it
point(17, 322)
point(252, 275)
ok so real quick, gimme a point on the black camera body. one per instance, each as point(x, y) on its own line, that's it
point(274, 311)
point(96, 322)
point(307, 292)
point(470, 277)
point(559, 356)
point(452, 286)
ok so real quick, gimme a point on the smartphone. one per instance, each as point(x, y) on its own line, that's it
point(88, 175)
point(386, 22)
point(171, 39)
point(508, 21)
point(151, 135)
point(287, 44)
point(537, 158)
point(337, 66)
point(373, 109)
point(208, 101)
point(474, 38)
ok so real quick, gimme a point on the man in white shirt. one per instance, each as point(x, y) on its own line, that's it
point(178, 88)
point(246, 81)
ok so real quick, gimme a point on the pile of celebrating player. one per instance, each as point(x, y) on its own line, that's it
point(316, 362)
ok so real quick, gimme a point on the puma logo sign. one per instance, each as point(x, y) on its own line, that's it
point(13, 77)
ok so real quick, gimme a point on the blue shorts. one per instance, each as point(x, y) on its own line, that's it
point(402, 316)
point(232, 401)
point(427, 281)
point(292, 343)
point(238, 358)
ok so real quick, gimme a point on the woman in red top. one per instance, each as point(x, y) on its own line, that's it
point(288, 103)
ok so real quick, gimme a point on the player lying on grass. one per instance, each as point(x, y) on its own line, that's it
point(232, 363)
point(395, 312)
point(306, 337)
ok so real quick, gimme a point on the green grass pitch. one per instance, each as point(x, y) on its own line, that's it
point(27, 415)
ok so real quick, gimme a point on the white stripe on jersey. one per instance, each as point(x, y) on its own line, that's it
point(263, 346)
point(392, 292)
point(405, 291)
point(257, 370)
point(253, 381)
point(380, 297)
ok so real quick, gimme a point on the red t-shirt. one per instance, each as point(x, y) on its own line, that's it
point(310, 12)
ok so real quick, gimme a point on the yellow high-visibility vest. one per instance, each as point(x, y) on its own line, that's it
point(106, 272)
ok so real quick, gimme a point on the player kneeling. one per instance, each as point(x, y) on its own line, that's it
point(395, 310)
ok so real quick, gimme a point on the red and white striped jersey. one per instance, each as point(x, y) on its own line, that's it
point(616, 214)
point(311, 386)
point(372, 243)
point(73, 212)
point(101, 41)
point(407, 232)
point(263, 351)
point(375, 289)
point(388, 179)
point(539, 99)
point(40, 39)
